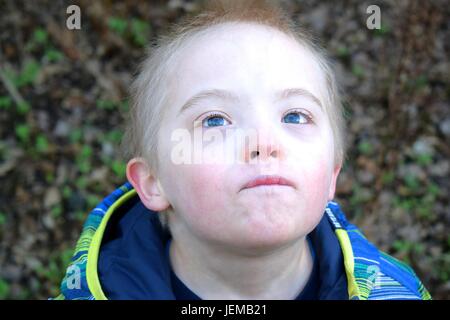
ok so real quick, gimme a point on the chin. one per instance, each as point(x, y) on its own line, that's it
point(260, 238)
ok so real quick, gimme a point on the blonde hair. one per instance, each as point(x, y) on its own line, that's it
point(149, 94)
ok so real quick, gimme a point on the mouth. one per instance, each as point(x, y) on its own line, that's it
point(268, 180)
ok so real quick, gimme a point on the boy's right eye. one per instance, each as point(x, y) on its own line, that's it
point(215, 120)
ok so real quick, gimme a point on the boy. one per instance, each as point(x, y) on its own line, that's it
point(244, 200)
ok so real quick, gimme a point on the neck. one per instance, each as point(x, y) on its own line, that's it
point(219, 273)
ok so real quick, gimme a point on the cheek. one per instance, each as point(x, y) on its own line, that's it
point(317, 182)
point(315, 187)
point(313, 160)
point(199, 190)
point(314, 168)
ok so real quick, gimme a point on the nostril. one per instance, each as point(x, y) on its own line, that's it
point(274, 153)
point(254, 154)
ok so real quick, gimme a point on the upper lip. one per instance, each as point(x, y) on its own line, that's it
point(268, 180)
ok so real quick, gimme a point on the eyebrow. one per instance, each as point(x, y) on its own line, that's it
point(227, 95)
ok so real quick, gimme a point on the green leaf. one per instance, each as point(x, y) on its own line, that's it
point(49, 177)
point(28, 74)
point(401, 245)
point(5, 102)
point(411, 182)
point(124, 106)
point(118, 168)
point(424, 159)
point(117, 25)
point(41, 144)
point(2, 218)
point(420, 82)
point(419, 248)
point(83, 159)
point(140, 30)
point(433, 189)
point(57, 211)
point(53, 55)
point(93, 200)
point(343, 51)
point(106, 104)
point(67, 191)
point(84, 166)
point(23, 132)
point(81, 183)
point(358, 71)
point(40, 36)
point(86, 152)
point(23, 107)
point(384, 29)
point(66, 256)
point(424, 212)
point(4, 289)
point(388, 177)
point(444, 275)
point(80, 215)
point(365, 148)
point(114, 136)
point(75, 135)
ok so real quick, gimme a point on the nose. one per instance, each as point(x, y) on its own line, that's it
point(265, 148)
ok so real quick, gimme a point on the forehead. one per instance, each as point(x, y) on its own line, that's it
point(243, 57)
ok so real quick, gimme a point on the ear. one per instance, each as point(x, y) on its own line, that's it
point(146, 185)
point(334, 177)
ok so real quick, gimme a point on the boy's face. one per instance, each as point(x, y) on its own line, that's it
point(209, 202)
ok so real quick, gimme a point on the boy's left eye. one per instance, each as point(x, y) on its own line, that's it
point(296, 117)
point(215, 120)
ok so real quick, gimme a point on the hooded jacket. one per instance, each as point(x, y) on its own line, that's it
point(122, 254)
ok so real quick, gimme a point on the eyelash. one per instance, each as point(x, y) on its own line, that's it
point(211, 115)
point(304, 113)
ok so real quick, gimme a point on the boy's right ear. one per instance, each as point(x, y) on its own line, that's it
point(146, 185)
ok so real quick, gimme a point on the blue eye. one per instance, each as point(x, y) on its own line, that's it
point(296, 117)
point(214, 120)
